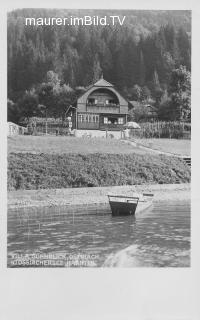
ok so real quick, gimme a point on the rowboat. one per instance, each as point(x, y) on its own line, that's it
point(122, 205)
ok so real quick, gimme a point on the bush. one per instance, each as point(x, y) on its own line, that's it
point(49, 171)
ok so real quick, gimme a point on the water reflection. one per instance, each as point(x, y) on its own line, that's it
point(158, 237)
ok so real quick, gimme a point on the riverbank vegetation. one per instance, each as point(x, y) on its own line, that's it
point(49, 171)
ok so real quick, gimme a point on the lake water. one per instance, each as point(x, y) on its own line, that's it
point(157, 237)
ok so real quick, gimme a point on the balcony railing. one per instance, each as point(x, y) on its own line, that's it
point(114, 105)
point(103, 109)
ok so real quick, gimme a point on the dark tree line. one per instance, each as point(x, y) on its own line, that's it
point(139, 58)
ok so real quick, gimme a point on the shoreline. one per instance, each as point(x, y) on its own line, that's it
point(94, 196)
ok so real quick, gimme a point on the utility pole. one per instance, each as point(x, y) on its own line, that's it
point(46, 122)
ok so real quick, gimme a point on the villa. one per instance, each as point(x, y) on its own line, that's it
point(99, 110)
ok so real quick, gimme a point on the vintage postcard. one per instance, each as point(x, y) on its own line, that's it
point(99, 129)
point(99, 219)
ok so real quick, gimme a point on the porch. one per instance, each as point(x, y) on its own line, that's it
point(94, 121)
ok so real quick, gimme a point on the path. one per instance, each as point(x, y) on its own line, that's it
point(134, 143)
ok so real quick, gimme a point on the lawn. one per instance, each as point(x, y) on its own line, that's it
point(176, 146)
point(42, 162)
point(60, 145)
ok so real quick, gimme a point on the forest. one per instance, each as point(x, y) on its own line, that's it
point(148, 59)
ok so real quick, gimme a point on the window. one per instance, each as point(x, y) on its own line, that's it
point(88, 118)
point(95, 118)
point(120, 120)
point(113, 120)
point(111, 102)
point(80, 118)
point(92, 101)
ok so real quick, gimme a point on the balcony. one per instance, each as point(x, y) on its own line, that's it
point(103, 108)
point(98, 104)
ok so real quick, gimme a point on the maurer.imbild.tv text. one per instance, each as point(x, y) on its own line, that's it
point(72, 21)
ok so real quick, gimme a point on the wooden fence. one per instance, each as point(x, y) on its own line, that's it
point(50, 126)
point(163, 129)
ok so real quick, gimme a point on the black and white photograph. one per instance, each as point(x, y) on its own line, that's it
point(99, 160)
point(98, 138)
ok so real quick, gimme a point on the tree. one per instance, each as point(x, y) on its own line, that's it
point(13, 113)
point(142, 69)
point(145, 94)
point(46, 97)
point(184, 48)
point(156, 81)
point(97, 71)
point(79, 91)
point(171, 42)
point(135, 93)
point(52, 78)
point(180, 89)
point(165, 111)
point(64, 97)
point(168, 64)
point(55, 98)
point(28, 105)
point(156, 88)
point(138, 113)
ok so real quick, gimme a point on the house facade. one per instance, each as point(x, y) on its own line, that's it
point(101, 107)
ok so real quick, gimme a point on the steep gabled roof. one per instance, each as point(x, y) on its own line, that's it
point(102, 83)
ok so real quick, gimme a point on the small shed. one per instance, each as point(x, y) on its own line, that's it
point(146, 111)
point(14, 129)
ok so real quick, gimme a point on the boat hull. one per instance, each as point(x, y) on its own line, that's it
point(122, 208)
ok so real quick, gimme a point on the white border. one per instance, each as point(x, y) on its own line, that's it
point(143, 293)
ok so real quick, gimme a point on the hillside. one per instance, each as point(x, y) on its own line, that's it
point(63, 162)
point(143, 51)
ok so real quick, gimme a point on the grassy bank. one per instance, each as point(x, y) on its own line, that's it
point(55, 145)
point(28, 171)
point(176, 146)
